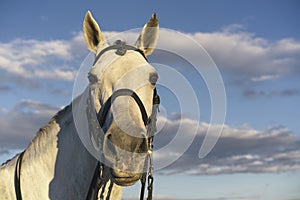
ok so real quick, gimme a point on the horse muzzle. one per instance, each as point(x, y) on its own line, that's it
point(125, 179)
point(125, 155)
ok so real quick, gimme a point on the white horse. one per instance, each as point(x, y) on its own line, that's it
point(56, 164)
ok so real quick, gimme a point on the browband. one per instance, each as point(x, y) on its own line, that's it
point(121, 48)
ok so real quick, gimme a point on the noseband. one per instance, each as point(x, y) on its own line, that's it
point(149, 122)
point(121, 92)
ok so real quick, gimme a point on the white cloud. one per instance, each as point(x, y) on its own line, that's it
point(264, 78)
point(32, 59)
point(55, 74)
point(243, 54)
point(29, 106)
point(238, 150)
point(233, 49)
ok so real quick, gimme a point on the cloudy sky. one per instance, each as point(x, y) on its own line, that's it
point(255, 46)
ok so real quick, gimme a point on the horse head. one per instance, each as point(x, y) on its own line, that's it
point(119, 73)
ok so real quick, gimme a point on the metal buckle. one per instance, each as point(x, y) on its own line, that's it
point(121, 49)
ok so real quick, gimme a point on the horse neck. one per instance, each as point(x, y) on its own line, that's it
point(58, 161)
point(61, 163)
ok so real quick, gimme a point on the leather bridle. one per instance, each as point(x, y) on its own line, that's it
point(149, 122)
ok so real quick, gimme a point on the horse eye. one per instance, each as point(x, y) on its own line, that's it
point(92, 78)
point(153, 78)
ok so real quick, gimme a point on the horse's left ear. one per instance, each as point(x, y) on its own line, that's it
point(148, 37)
point(92, 33)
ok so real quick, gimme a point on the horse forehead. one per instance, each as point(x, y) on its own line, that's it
point(110, 59)
point(115, 67)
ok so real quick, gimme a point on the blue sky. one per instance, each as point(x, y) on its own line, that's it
point(255, 44)
point(271, 19)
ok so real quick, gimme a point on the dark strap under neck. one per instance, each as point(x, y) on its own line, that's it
point(17, 180)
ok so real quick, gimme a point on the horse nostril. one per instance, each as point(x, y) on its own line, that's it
point(108, 136)
point(153, 78)
point(143, 148)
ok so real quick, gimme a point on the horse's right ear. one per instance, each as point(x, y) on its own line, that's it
point(92, 33)
point(149, 36)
